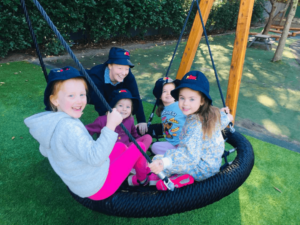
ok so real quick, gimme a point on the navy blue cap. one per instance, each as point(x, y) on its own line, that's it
point(159, 84)
point(65, 73)
point(117, 95)
point(194, 80)
point(119, 56)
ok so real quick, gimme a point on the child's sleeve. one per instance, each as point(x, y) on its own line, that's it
point(189, 151)
point(224, 120)
point(133, 131)
point(76, 140)
point(96, 126)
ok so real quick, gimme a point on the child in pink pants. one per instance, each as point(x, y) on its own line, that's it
point(125, 104)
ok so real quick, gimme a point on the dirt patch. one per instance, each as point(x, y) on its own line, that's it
point(259, 129)
point(104, 45)
point(91, 48)
point(19, 56)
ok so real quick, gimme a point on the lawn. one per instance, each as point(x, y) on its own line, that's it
point(269, 95)
point(31, 193)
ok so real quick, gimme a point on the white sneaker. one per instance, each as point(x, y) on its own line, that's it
point(132, 171)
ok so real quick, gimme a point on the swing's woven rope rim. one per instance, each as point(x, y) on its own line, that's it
point(148, 202)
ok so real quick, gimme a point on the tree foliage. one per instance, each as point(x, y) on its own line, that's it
point(102, 19)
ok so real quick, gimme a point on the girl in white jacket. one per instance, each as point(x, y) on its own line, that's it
point(93, 169)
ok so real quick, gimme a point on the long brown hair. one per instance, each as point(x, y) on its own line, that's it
point(209, 115)
point(160, 108)
point(160, 104)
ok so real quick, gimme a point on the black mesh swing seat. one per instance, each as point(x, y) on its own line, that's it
point(148, 202)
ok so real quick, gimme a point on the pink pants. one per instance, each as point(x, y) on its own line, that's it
point(160, 148)
point(122, 160)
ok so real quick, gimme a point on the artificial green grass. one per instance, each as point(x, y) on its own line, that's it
point(269, 93)
point(31, 193)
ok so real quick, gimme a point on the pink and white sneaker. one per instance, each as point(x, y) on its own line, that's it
point(178, 180)
point(151, 180)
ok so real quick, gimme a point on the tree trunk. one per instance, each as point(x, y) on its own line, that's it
point(271, 17)
point(283, 14)
point(285, 32)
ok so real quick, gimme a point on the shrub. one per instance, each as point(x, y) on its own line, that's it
point(103, 19)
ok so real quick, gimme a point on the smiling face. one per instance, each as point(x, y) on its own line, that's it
point(166, 96)
point(189, 101)
point(117, 73)
point(124, 107)
point(71, 97)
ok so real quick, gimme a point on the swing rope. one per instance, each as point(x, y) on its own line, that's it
point(34, 39)
point(211, 57)
point(167, 73)
point(232, 130)
point(162, 176)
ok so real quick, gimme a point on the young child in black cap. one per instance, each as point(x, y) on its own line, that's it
point(199, 154)
point(171, 116)
point(116, 74)
point(93, 169)
point(125, 104)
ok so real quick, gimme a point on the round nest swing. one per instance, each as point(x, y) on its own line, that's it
point(148, 202)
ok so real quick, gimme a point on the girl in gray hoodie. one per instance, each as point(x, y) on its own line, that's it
point(90, 168)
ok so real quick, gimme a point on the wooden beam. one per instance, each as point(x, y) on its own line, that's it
point(277, 37)
point(238, 55)
point(194, 38)
point(295, 33)
point(281, 28)
point(279, 32)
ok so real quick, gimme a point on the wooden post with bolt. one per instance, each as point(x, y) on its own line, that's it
point(238, 55)
point(194, 38)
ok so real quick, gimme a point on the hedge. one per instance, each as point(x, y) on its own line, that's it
point(103, 19)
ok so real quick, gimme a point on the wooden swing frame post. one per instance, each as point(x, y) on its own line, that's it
point(194, 38)
point(239, 49)
point(238, 55)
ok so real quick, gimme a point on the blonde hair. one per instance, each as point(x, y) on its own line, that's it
point(209, 115)
point(56, 87)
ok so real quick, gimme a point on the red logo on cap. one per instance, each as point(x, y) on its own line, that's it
point(166, 78)
point(61, 70)
point(122, 91)
point(191, 77)
point(126, 53)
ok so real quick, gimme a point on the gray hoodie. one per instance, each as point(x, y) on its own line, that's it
point(81, 162)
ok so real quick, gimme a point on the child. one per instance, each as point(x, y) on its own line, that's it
point(93, 169)
point(201, 146)
point(171, 116)
point(115, 74)
point(125, 104)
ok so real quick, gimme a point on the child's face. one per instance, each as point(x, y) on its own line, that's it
point(117, 73)
point(189, 101)
point(166, 96)
point(71, 98)
point(124, 107)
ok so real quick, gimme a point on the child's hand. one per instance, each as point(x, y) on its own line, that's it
point(227, 111)
point(157, 166)
point(113, 119)
point(143, 128)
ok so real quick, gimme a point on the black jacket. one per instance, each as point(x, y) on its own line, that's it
point(97, 75)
